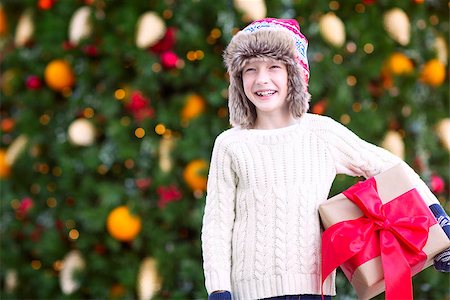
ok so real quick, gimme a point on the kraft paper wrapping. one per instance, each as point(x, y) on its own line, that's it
point(368, 278)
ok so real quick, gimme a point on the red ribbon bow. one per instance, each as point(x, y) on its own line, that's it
point(397, 230)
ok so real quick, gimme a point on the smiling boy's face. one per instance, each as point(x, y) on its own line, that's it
point(265, 84)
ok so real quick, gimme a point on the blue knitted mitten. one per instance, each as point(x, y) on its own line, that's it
point(226, 295)
point(442, 260)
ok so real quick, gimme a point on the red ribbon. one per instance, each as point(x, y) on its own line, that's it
point(397, 230)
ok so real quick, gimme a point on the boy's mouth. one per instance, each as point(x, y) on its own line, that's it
point(265, 93)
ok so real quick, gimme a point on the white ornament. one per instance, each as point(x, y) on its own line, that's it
point(441, 49)
point(11, 280)
point(73, 262)
point(15, 149)
point(81, 132)
point(443, 132)
point(80, 26)
point(397, 25)
point(149, 282)
point(150, 29)
point(24, 29)
point(332, 29)
point(393, 142)
point(252, 9)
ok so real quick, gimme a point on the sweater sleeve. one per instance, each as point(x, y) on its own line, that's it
point(218, 219)
point(356, 157)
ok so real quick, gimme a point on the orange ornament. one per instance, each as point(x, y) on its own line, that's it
point(433, 73)
point(59, 75)
point(5, 168)
point(386, 78)
point(7, 124)
point(46, 4)
point(117, 291)
point(399, 64)
point(194, 106)
point(195, 175)
point(3, 21)
point(320, 107)
point(122, 225)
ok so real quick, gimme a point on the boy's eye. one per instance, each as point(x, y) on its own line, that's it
point(275, 66)
point(249, 69)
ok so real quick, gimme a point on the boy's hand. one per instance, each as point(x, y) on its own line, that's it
point(220, 295)
point(442, 261)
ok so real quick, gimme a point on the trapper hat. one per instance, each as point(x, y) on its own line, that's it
point(278, 39)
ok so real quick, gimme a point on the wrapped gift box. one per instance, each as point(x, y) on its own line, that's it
point(394, 187)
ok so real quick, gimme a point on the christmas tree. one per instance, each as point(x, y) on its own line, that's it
point(109, 110)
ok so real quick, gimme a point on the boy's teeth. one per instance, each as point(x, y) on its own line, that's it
point(265, 93)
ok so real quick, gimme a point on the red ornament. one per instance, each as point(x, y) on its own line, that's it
point(67, 45)
point(138, 102)
point(437, 184)
point(100, 249)
point(140, 106)
point(35, 236)
point(33, 82)
point(418, 163)
point(142, 183)
point(24, 207)
point(46, 4)
point(169, 59)
point(166, 43)
point(168, 194)
point(90, 50)
point(70, 201)
point(59, 225)
point(369, 2)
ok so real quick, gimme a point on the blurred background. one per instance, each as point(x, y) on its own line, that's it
point(109, 110)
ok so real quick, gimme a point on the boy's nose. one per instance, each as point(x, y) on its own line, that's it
point(262, 77)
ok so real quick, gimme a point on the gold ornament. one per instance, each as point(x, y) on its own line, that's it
point(81, 132)
point(24, 29)
point(393, 142)
point(332, 29)
point(252, 9)
point(9, 78)
point(149, 282)
point(150, 29)
point(443, 132)
point(397, 25)
point(80, 26)
point(73, 263)
point(165, 148)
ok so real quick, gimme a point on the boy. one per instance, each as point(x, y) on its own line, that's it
point(261, 235)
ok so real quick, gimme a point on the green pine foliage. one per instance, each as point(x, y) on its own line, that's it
point(72, 189)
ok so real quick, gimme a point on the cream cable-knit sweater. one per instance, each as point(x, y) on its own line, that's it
point(261, 233)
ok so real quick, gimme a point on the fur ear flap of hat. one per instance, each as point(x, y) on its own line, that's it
point(276, 39)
